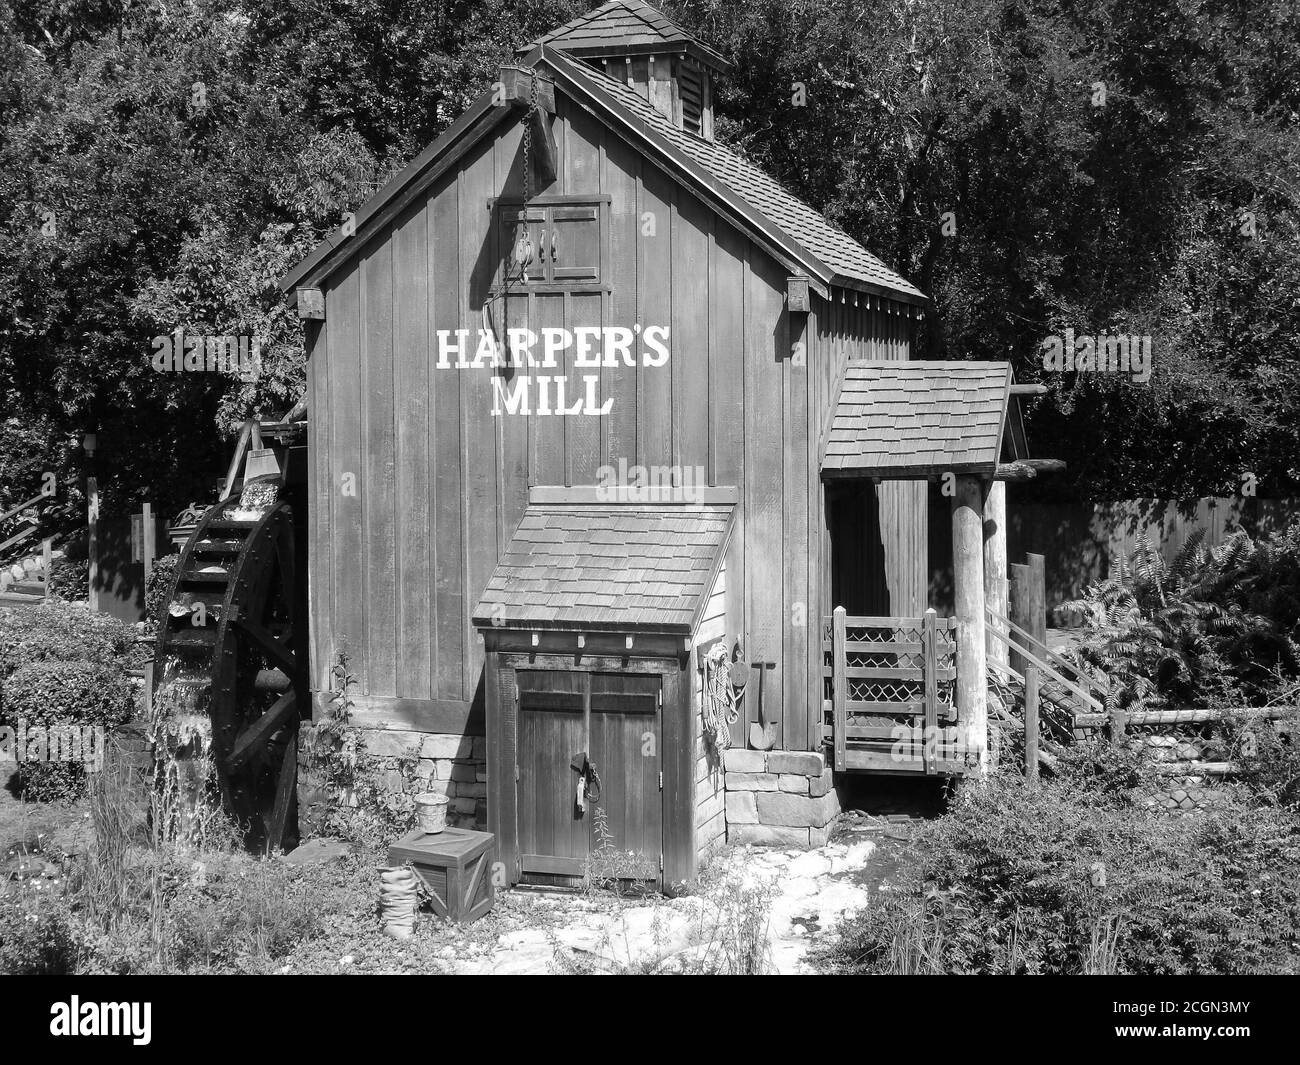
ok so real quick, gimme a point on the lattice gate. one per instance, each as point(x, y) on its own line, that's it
point(889, 701)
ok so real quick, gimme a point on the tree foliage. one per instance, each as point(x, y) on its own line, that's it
point(1115, 166)
point(163, 162)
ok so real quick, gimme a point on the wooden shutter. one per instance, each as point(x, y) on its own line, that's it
point(573, 244)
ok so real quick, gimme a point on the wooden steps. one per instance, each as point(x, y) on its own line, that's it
point(199, 577)
point(19, 599)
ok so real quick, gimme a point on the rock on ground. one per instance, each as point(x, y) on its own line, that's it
point(811, 892)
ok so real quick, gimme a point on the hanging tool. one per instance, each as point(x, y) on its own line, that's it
point(762, 733)
point(587, 788)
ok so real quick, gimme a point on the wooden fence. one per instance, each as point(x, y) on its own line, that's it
point(1079, 541)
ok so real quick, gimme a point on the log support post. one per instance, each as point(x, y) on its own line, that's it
point(1038, 602)
point(1031, 724)
point(996, 592)
point(968, 573)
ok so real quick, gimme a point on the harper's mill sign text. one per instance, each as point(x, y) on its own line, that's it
point(525, 351)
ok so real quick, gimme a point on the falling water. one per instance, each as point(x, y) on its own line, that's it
point(254, 501)
point(181, 730)
point(181, 725)
point(181, 701)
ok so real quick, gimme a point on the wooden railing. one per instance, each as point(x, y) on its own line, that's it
point(1052, 667)
point(890, 703)
point(38, 500)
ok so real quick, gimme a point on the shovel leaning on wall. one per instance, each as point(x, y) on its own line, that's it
point(762, 733)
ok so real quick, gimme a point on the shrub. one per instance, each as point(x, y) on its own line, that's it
point(35, 936)
point(65, 632)
point(70, 579)
point(54, 693)
point(1269, 757)
point(1019, 879)
point(63, 695)
point(159, 588)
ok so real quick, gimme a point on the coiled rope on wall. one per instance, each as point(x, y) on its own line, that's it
point(720, 705)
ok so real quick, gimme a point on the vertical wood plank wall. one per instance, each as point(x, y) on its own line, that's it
point(841, 329)
point(710, 819)
point(440, 484)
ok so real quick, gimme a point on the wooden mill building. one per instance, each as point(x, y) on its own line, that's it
point(574, 293)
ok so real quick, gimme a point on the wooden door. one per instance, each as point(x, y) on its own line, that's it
point(625, 737)
point(614, 718)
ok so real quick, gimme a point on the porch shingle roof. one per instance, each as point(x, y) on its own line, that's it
point(900, 419)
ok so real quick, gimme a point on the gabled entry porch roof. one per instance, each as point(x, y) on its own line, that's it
point(919, 419)
point(581, 563)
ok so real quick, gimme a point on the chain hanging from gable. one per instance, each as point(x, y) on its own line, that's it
point(524, 251)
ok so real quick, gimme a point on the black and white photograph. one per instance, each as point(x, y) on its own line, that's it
point(691, 487)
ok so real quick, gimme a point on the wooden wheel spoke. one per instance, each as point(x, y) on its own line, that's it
point(261, 730)
point(279, 651)
point(284, 788)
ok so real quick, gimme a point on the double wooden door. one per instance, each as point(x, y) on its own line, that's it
point(614, 720)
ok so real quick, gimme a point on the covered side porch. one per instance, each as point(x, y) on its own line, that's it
point(909, 694)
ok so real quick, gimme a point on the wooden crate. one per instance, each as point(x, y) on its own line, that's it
point(455, 866)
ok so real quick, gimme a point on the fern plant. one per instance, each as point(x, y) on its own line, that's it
point(1185, 632)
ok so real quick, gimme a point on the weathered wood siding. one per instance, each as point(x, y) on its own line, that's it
point(844, 327)
point(440, 484)
point(710, 819)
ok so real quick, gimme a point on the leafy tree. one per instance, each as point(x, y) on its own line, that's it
point(1114, 167)
point(162, 163)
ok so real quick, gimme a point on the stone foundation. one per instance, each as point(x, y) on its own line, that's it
point(779, 798)
point(411, 763)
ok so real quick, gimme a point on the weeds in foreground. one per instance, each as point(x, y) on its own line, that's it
point(723, 930)
point(608, 868)
point(1103, 957)
point(356, 806)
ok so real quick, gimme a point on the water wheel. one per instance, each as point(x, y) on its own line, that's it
point(230, 646)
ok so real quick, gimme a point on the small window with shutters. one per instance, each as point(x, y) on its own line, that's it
point(562, 239)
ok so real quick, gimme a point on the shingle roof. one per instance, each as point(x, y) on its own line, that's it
point(623, 27)
point(801, 223)
point(759, 205)
point(612, 566)
point(900, 418)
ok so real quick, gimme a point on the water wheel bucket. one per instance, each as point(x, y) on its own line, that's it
point(431, 812)
point(261, 463)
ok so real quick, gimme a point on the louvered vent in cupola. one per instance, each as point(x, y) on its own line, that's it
point(690, 83)
point(637, 45)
